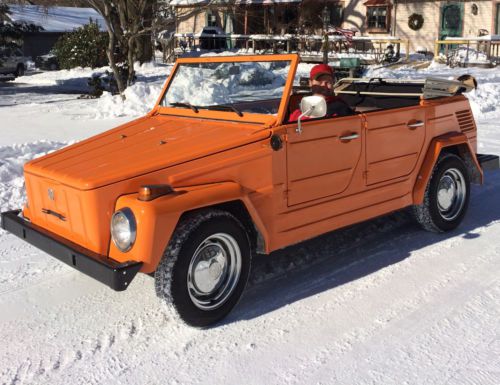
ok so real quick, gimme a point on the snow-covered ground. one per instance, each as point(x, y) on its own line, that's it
point(378, 303)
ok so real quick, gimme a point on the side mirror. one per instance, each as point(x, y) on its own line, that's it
point(313, 107)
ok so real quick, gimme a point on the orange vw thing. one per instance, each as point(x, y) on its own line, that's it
point(215, 173)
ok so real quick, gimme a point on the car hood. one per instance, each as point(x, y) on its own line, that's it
point(140, 147)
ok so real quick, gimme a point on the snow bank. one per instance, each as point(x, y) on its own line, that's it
point(74, 79)
point(139, 98)
point(12, 159)
point(208, 85)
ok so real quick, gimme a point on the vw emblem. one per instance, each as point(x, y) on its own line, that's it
point(51, 194)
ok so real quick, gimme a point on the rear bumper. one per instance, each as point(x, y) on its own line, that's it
point(113, 274)
point(488, 162)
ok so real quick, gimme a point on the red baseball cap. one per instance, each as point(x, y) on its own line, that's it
point(320, 69)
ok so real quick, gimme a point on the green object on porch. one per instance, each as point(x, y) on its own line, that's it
point(349, 62)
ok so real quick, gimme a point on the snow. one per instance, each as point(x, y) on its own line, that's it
point(207, 86)
point(55, 19)
point(381, 302)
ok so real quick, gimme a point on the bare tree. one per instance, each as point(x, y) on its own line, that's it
point(129, 25)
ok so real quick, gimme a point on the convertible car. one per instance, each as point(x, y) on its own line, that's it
point(216, 172)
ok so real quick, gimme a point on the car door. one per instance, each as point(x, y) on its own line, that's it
point(394, 140)
point(322, 158)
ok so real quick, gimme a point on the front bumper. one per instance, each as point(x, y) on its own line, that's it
point(113, 274)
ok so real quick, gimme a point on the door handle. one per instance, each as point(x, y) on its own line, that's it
point(349, 137)
point(415, 124)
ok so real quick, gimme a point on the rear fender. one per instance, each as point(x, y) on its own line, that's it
point(455, 143)
point(158, 218)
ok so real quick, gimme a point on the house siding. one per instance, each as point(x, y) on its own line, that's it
point(192, 25)
point(424, 38)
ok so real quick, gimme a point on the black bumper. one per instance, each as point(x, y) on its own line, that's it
point(488, 162)
point(113, 274)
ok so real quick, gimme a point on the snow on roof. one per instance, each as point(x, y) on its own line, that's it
point(55, 19)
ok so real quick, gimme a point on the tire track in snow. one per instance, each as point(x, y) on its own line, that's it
point(395, 316)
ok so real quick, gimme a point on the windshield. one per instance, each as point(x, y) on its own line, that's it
point(237, 87)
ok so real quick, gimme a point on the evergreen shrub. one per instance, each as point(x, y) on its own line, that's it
point(84, 47)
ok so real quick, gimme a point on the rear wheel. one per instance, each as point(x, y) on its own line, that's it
point(446, 197)
point(205, 267)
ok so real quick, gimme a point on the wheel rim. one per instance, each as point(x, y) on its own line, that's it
point(451, 194)
point(214, 271)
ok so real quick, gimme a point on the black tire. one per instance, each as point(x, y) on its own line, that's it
point(19, 70)
point(446, 197)
point(200, 295)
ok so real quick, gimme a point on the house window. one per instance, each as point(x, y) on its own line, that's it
point(336, 15)
point(290, 15)
point(211, 19)
point(377, 18)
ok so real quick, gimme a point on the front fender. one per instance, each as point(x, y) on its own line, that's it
point(436, 146)
point(158, 218)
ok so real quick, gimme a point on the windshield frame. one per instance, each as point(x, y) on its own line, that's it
point(230, 115)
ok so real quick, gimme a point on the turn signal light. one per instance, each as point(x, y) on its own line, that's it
point(153, 191)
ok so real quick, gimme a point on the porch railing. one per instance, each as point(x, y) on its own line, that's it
point(373, 49)
point(466, 50)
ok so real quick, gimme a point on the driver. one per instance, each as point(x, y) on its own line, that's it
point(321, 81)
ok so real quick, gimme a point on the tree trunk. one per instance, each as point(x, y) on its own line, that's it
point(130, 61)
point(129, 25)
point(114, 67)
point(143, 43)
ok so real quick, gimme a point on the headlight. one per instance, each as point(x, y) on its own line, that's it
point(123, 229)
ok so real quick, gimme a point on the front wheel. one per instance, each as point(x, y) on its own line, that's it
point(446, 196)
point(205, 267)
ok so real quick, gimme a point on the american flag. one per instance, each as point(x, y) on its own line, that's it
point(347, 33)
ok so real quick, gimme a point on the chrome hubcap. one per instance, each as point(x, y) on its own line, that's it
point(451, 194)
point(214, 271)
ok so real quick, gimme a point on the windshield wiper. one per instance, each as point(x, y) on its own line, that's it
point(178, 104)
point(225, 107)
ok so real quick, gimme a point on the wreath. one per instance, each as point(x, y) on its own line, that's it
point(415, 21)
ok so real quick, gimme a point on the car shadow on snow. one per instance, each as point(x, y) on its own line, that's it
point(345, 255)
